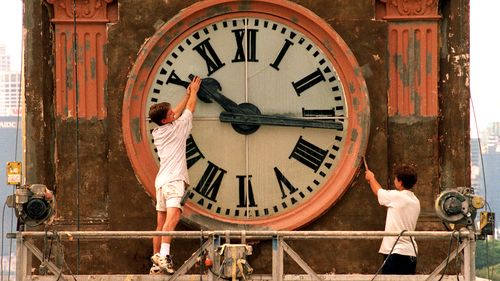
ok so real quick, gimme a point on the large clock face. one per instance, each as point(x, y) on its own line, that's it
point(282, 118)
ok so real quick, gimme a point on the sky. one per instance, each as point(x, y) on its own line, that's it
point(11, 14)
point(484, 58)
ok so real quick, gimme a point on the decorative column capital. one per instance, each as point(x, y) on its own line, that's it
point(411, 9)
point(81, 73)
point(86, 10)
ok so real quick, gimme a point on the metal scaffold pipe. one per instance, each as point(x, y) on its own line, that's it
point(262, 234)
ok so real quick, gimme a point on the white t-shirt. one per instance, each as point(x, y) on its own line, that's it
point(170, 141)
point(403, 209)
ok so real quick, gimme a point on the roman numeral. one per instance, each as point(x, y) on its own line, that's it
point(308, 154)
point(210, 182)
point(308, 81)
point(281, 54)
point(318, 112)
point(208, 53)
point(193, 153)
point(284, 182)
point(243, 195)
point(239, 35)
point(174, 79)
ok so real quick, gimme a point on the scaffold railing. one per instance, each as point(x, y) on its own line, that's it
point(26, 249)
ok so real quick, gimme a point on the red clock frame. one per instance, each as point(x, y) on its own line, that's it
point(134, 123)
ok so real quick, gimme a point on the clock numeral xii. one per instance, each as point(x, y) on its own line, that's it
point(239, 35)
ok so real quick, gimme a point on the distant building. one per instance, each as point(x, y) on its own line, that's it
point(10, 86)
point(10, 131)
point(487, 185)
point(4, 59)
point(475, 162)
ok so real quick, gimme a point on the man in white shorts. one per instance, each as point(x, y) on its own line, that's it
point(174, 126)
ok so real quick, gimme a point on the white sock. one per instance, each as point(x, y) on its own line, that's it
point(165, 249)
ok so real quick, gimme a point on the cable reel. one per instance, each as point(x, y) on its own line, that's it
point(458, 206)
point(34, 204)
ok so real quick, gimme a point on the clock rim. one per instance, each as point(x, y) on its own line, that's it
point(153, 53)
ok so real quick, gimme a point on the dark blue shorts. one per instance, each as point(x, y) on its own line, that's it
point(399, 265)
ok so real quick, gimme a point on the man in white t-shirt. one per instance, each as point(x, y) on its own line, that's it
point(403, 209)
point(174, 126)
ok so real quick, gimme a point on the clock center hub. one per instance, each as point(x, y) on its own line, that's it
point(247, 108)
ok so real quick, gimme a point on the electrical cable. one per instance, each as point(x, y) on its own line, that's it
point(490, 277)
point(13, 189)
point(457, 263)
point(65, 264)
point(202, 262)
point(483, 173)
point(1, 264)
point(448, 255)
point(77, 164)
point(392, 249)
point(480, 155)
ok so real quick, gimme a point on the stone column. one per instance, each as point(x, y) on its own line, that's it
point(81, 145)
point(412, 95)
point(91, 70)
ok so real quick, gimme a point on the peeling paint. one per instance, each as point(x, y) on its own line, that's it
point(352, 87)
point(135, 129)
point(92, 68)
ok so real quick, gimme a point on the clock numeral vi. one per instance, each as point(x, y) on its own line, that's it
point(174, 79)
point(308, 154)
point(281, 54)
point(308, 81)
point(284, 183)
point(208, 53)
point(193, 153)
point(239, 35)
point(243, 195)
point(210, 182)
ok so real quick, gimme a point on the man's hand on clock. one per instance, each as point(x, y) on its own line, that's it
point(209, 92)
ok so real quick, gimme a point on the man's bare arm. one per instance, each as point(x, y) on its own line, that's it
point(189, 100)
point(180, 106)
point(193, 93)
point(372, 181)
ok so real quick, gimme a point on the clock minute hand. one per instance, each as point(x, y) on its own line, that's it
point(276, 120)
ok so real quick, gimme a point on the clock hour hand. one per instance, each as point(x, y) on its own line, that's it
point(276, 120)
point(209, 92)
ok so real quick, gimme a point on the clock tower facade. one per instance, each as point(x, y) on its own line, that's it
point(295, 94)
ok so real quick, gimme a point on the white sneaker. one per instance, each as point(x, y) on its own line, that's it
point(155, 258)
point(164, 263)
point(155, 270)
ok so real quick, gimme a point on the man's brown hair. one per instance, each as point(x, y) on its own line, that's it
point(407, 175)
point(159, 111)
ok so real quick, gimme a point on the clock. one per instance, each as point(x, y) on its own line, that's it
point(282, 119)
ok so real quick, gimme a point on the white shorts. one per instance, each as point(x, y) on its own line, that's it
point(170, 195)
